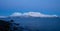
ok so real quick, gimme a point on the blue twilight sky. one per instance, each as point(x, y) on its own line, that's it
point(8, 7)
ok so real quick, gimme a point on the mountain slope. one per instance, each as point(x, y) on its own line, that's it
point(40, 23)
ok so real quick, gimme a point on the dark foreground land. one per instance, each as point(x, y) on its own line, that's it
point(9, 26)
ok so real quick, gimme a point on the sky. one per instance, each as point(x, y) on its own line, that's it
point(8, 7)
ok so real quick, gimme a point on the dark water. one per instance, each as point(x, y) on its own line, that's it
point(37, 24)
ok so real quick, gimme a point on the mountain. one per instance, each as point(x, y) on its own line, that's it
point(37, 23)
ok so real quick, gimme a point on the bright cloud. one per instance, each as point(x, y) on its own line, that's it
point(16, 14)
point(33, 14)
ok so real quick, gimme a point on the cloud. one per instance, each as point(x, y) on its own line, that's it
point(32, 14)
point(16, 14)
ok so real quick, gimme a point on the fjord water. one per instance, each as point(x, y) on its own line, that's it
point(38, 23)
